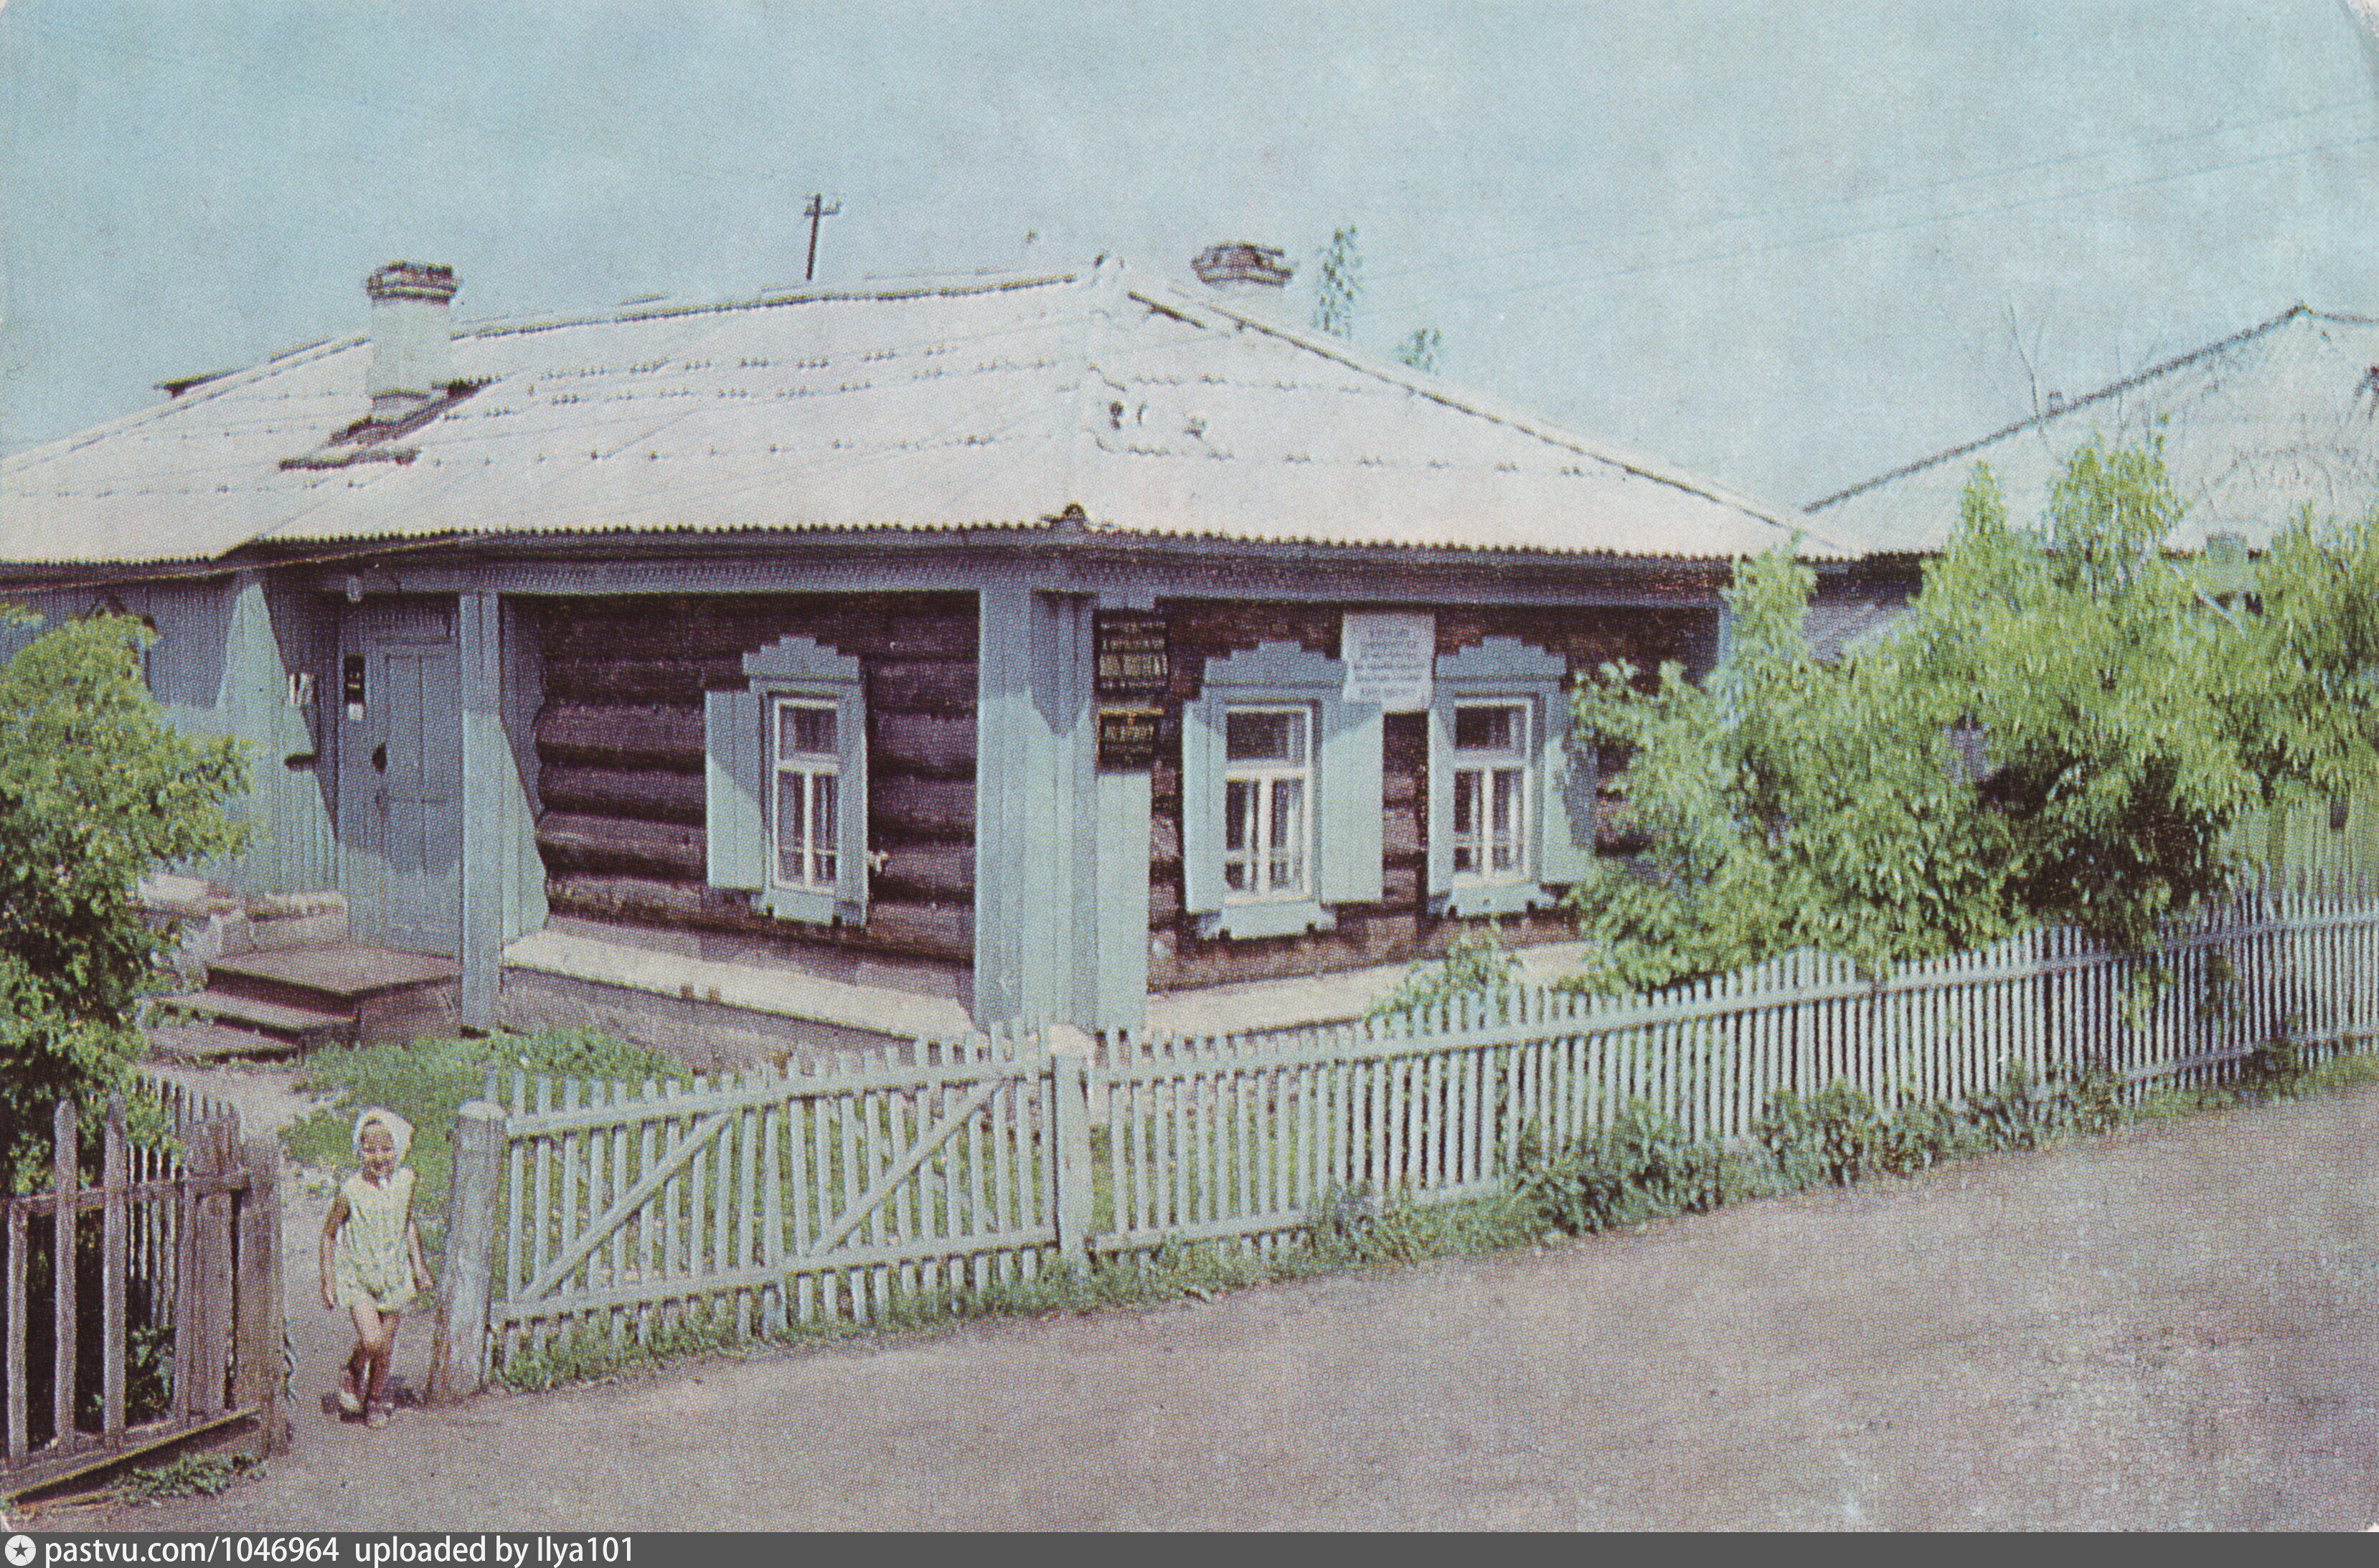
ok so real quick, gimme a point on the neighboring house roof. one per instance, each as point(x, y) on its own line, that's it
point(2271, 419)
point(974, 402)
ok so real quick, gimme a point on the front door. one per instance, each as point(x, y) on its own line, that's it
point(399, 719)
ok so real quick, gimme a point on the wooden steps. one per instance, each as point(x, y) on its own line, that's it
point(320, 994)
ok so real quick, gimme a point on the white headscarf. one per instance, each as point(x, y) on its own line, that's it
point(398, 1128)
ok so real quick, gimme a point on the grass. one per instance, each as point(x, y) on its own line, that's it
point(192, 1474)
point(427, 1081)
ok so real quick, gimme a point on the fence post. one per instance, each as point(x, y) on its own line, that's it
point(256, 1296)
point(459, 1357)
point(1070, 1082)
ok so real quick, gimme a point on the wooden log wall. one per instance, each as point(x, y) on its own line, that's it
point(620, 749)
point(1397, 928)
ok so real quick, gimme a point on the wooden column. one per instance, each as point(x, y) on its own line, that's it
point(214, 1277)
point(1070, 1058)
point(1035, 815)
point(487, 761)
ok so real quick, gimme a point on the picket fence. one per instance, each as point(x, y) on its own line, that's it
point(185, 1229)
point(915, 1173)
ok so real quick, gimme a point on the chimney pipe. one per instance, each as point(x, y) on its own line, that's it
point(410, 366)
point(1246, 271)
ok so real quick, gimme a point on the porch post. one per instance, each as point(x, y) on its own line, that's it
point(486, 758)
point(1034, 850)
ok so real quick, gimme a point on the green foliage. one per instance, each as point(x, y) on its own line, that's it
point(1420, 350)
point(190, 1474)
point(96, 791)
point(1642, 1167)
point(1338, 284)
point(427, 1082)
point(2062, 729)
point(1475, 964)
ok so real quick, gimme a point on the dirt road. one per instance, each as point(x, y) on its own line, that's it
point(2175, 1327)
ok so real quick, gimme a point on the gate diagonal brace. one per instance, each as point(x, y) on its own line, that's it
point(628, 1203)
point(936, 1136)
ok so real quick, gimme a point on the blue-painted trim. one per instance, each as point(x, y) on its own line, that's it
point(1277, 919)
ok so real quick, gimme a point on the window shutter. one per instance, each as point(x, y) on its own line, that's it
point(1565, 823)
point(1348, 806)
point(1201, 807)
point(735, 839)
point(851, 828)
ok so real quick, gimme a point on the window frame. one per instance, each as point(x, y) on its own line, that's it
point(1557, 793)
point(742, 767)
point(1343, 803)
point(1490, 764)
point(1266, 776)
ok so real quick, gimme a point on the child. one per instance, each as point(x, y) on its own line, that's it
point(371, 1258)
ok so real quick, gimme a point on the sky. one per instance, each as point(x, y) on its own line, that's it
point(1786, 245)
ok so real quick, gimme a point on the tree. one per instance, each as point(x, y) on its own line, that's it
point(96, 791)
point(2063, 729)
point(1421, 349)
point(1338, 284)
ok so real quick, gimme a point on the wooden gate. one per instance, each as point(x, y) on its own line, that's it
point(164, 1320)
point(747, 1201)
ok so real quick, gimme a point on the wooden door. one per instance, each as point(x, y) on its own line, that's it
point(401, 777)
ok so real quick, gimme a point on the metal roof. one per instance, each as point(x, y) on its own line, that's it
point(975, 403)
point(2256, 427)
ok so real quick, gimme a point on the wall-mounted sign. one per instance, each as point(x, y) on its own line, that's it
point(1389, 658)
point(1127, 737)
point(351, 687)
point(1134, 657)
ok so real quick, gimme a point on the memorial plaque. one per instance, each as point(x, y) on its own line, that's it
point(1390, 659)
point(1134, 658)
point(1127, 737)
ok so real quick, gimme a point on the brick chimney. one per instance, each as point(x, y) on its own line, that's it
point(410, 366)
point(1248, 272)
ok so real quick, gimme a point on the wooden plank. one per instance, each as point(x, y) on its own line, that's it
point(112, 1348)
point(65, 1179)
point(215, 1263)
point(869, 1202)
point(14, 1373)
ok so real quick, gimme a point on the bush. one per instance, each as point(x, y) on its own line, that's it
point(1642, 1167)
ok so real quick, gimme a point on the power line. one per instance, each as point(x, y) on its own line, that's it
point(2002, 173)
point(1748, 251)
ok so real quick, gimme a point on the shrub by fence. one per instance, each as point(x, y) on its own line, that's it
point(918, 1174)
point(141, 1307)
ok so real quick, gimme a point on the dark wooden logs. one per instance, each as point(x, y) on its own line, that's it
point(929, 929)
point(911, 807)
point(942, 745)
point(617, 843)
point(577, 732)
point(926, 873)
point(654, 794)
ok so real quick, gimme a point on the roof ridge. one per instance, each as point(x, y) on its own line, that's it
point(204, 391)
point(618, 315)
point(2109, 389)
point(1501, 412)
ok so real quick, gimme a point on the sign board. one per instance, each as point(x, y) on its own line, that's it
point(1127, 737)
point(1133, 654)
point(1389, 658)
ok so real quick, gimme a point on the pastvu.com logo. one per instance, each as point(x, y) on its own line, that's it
point(21, 1550)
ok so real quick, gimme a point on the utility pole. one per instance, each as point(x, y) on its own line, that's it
point(819, 208)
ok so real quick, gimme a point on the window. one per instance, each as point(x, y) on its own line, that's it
point(785, 784)
point(1281, 801)
point(807, 770)
point(1510, 811)
point(1491, 769)
point(1267, 783)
